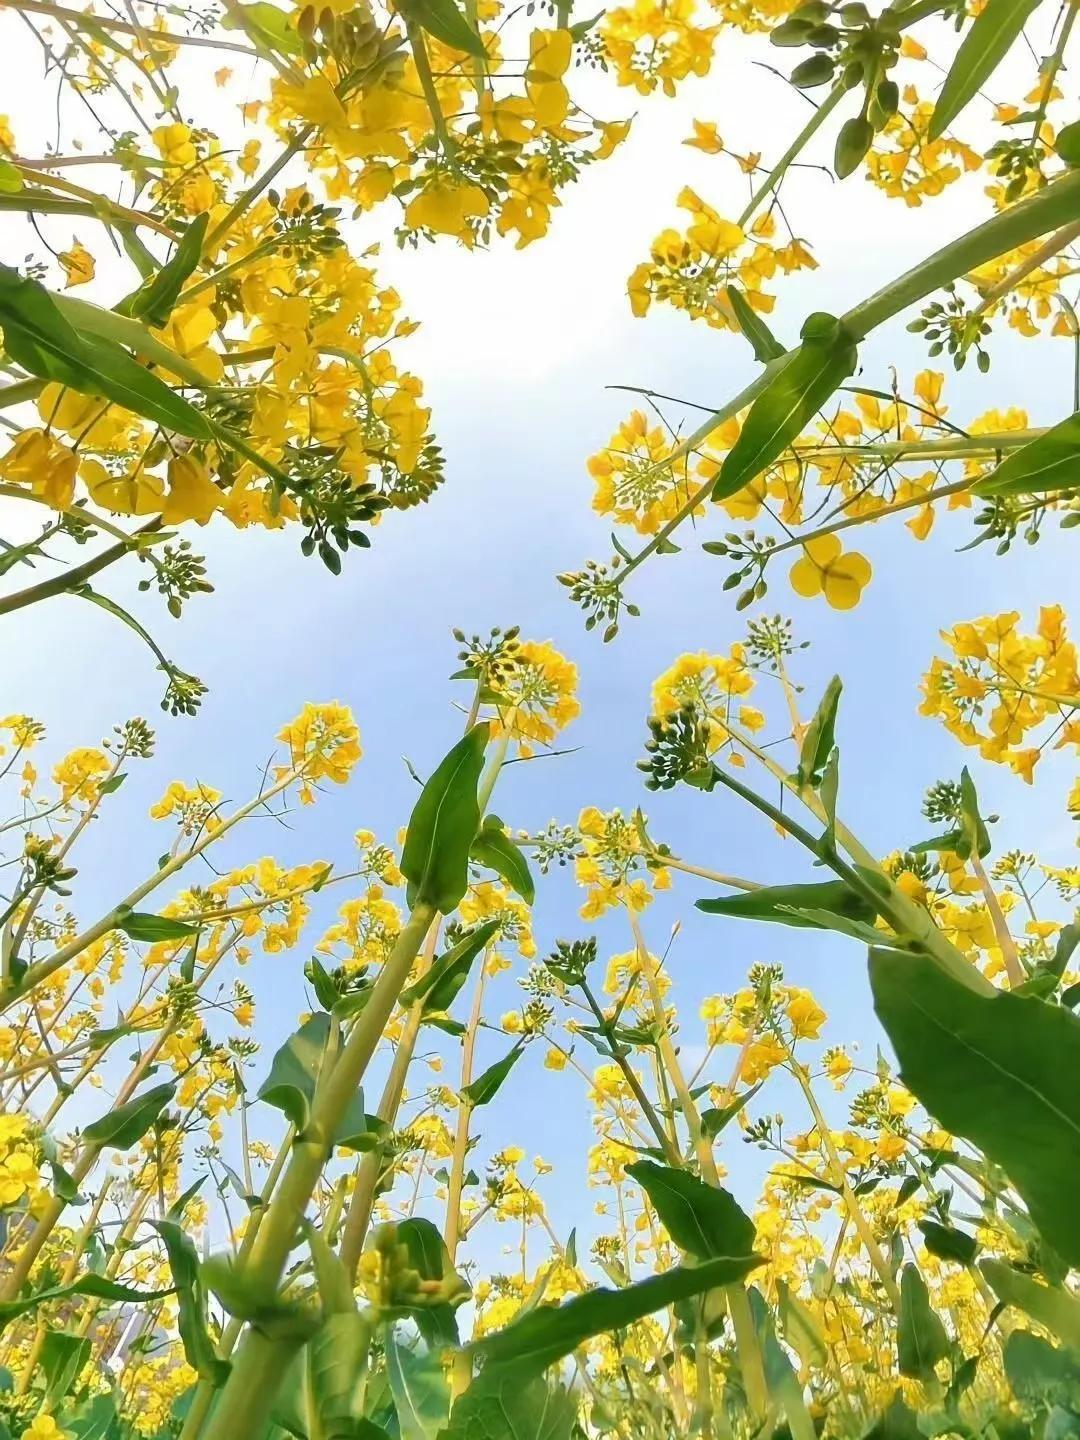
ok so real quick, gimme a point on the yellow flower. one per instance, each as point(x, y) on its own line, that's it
point(549, 59)
point(174, 144)
point(805, 1014)
point(78, 265)
point(39, 460)
point(44, 1427)
point(541, 693)
point(324, 743)
point(824, 569)
point(79, 775)
point(447, 208)
point(555, 1060)
point(192, 494)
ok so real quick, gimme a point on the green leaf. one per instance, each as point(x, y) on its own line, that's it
point(439, 987)
point(780, 1376)
point(714, 1118)
point(763, 342)
point(96, 1286)
point(199, 1348)
point(494, 848)
point(294, 1071)
point(63, 1357)
point(265, 22)
point(1051, 462)
point(799, 1327)
point(11, 182)
point(998, 1070)
point(442, 827)
point(820, 737)
point(40, 339)
point(991, 37)
point(702, 1219)
point(139, 925)
point(1067, 144)
point(322, 1393)
point(125, 1126)
point(1037, 1371)
point(1049, 1306)
point(548, 1333)
point(947, 1243)
point(806, 906)
point(505, 1405)
point(95, 1419)
point(975, 839)
point(921, 1337)
point(154, 302)
point(486, 1086)
point(801, 385)
point(445, 21)
point(64, 1185)
point(421, 1394)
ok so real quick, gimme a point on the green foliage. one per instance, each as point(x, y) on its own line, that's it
point(40, 339)
point(702, 1219)
point(151, 928)
point(294, 1076)
point(125, 1125)
point(800, 386)
point(421, 1394)
point(97, 1286)
point(199, 1349)
point(488, 1084)
point(155, 300)
point(1040, 467)
point(502, 1404)
point(439, 986)
point(442, 827)
point(996, 1070)
point(494, 848)
point(816, 907)
point(548, 1333)
point(444, 20)
point(992, 35)
point(921, 1338)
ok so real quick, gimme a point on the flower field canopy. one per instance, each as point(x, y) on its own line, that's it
point(282, 1019)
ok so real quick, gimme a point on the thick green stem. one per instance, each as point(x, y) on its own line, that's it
point(244, 1406)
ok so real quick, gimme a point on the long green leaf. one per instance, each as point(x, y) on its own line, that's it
point(445, 21)
point(199, 1349)
point(998, 1070)
point(125, 1126)
point(921, 1337)
point(154, 302)
point(506, 1405)
point(41, 340)
point(548, 1333)
point(805, 906)
point(421, 1394)
point(486, 1086)
point(442, 827)
point(992, 35)
point(494, 848)
point(1050, 1306)
point(791, 398)
point(96, 1286)
point(450, 971)
point(702, 1219)
point(1052, 462)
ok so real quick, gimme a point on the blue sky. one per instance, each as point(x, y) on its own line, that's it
point(516, 351)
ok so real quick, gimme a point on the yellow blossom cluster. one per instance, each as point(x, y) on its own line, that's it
point(1002, 690)
point(612, 865)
